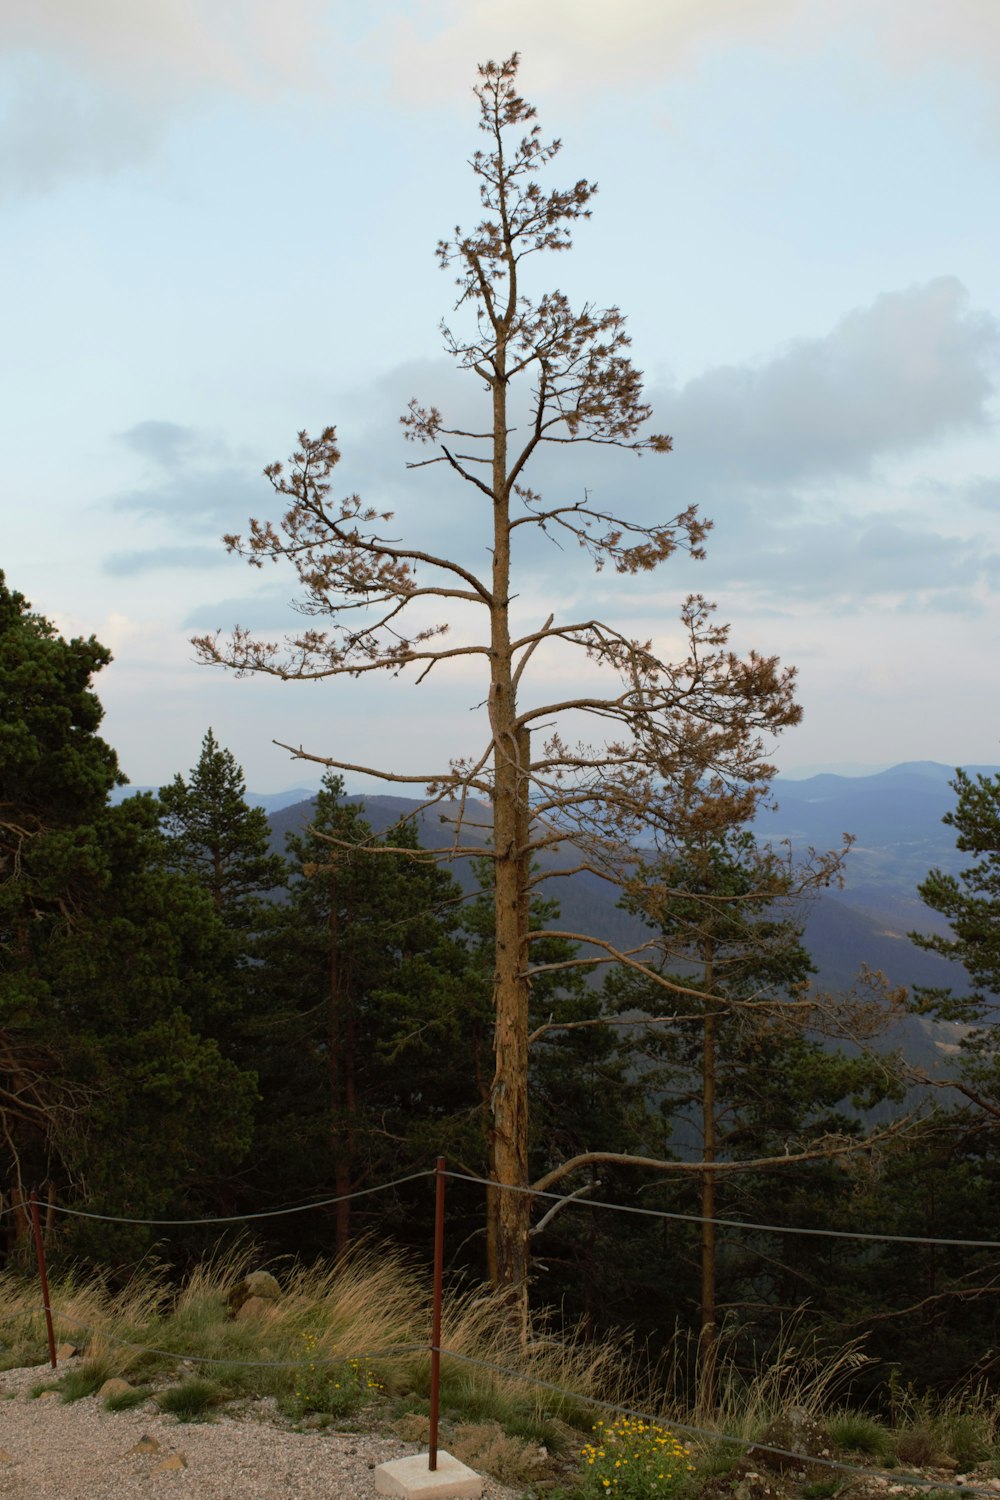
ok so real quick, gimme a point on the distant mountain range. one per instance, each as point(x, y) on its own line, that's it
point(895, 817)
point(270, 801)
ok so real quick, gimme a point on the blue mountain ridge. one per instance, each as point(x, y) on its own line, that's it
point(895, 816)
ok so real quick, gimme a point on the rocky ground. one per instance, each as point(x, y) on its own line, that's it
point(766, 1472)
point(51, 1450)
point(80, 1451)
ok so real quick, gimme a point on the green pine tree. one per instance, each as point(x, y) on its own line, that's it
point(108, 1092)
point(217, 837)
point(363, 1055)
point(730, 1058)
point(970, 902)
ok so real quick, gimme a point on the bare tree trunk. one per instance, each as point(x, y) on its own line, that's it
point(336, 1041)
point(708, 1337)
point(19, 1245)
point(510, 828)
point(510, 1091)
point(342, 1220)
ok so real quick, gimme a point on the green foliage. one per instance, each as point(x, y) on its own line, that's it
point(858, 1433)
point(81, 1381)
point(216, 837)
point(335, 1390)
point(366, 983)
point(635, 1459)
point(967, 1437)
point(732, 1074)
point(970, 902)
point(193, 1400)
point(109, 1090)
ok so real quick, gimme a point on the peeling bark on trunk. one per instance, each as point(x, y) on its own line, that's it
point(509, 1097)
point(708, 1337)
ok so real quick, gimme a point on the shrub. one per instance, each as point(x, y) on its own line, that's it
point(634, 1459)
point(822, 1489)
point(966, 1437)
point(918, 1445)
point(335, 1389)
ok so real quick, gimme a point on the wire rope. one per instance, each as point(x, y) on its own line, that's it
point(271, 1213)
point(657, 1213)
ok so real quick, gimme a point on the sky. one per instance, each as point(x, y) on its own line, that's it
point(220, 219)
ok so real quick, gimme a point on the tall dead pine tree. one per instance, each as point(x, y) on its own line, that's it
point(659, 721)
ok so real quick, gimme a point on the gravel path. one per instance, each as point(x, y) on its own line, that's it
point(79, 1451)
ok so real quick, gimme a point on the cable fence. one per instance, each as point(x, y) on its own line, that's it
point(270, 1213)
point(657, 1213)
point(808, 1231)
point(437, 1350)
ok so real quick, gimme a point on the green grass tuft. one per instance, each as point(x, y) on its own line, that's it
point(82, 1381)
point(857, 1433)
point(193, 1400)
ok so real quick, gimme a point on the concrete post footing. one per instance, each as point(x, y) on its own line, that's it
point(411, 1478)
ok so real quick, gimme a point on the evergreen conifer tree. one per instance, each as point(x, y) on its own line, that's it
point(108, 961)
point(970, 902)
point(730, 1056)
point(217, 837)
point(364, 1052)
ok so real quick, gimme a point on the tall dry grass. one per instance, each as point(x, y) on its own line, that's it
point(374, 1305)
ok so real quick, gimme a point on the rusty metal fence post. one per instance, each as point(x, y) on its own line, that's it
point(432, 1453)
point(42, 1275)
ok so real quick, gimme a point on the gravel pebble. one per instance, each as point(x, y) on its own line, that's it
point(79, 1451)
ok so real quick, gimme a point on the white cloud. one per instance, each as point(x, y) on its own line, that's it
point(918, 33)
point(170, 46)
point(892, 377)
point(568, 45)
point(93, 87)
point(574, 46)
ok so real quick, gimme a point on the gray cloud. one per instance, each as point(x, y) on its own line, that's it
point(913, 367)
point(211, 502)
point(945, 602)
point(55, 127)
point(840, 560)
point(166, 48)
point(95, 88)
point(168, 444)
point(269, 610)
point(193, 480)
point(863, 557)
point(154, 559)
point(890, 379)
point(984, 494)
point(773, 451)
point(580, 45)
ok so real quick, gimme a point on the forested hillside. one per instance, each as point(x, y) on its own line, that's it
point(201, 1015)
point(866, 923)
